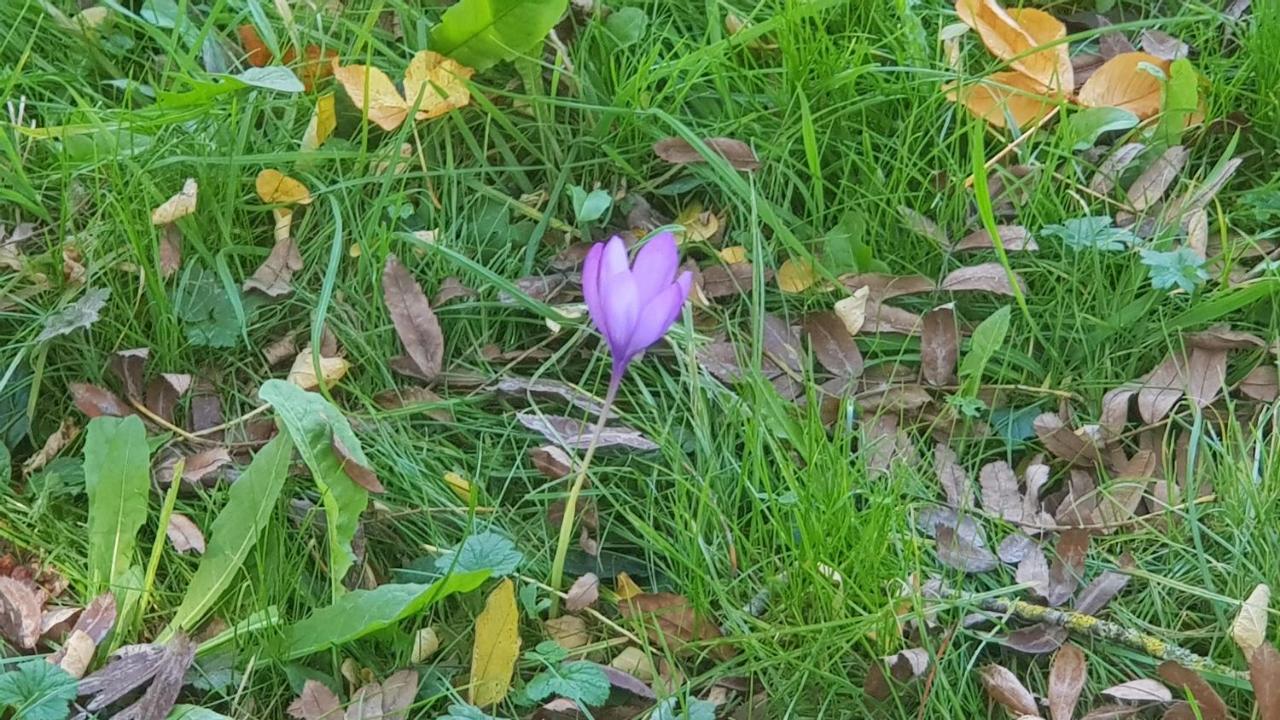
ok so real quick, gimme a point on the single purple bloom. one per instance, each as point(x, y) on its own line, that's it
point(634, 306)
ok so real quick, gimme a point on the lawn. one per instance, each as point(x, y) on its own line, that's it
point(931, 365)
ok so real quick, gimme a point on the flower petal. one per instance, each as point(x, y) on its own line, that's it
point(655, 265)
point(658, 315)
point(591, 287)
point(621, 308)
point(615, 258)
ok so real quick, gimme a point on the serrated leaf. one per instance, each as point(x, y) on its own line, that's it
point(482, 551)
point(37, 690)
point(1092, 232)
point(1182, 269)
point(581, 681)
point(481, 33)
point(117, 479)
point(80, 314)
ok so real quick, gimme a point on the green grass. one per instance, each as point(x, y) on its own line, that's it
point(747, 491)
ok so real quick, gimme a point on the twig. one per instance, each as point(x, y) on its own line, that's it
point(196, 436)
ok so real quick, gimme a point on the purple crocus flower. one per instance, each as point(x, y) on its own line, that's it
point(634, 306)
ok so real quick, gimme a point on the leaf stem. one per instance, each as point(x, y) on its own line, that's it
point(571, 504)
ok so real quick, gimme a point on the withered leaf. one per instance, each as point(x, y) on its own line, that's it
point(583, 593)
point(832, 345)
point(923, 226)
point(672, 621)
point(987, 277)
point(939, 346)
point(180, 205)
point(1067, 569)
point(1108, 174)
point(1163, 45)
point(1222, 337)
point(1065, 444)
point(1037, 639)
point(1206, 374)
point(551, 461)
point(1142, 690)
point(1120, 500)
point(573, 434)
point(130, 668)
point(184, 534)
point(952, 477)
point(1261, 384)
point(98, 617)
point(128, 366)
point(282, 348)
point(1067, 675)
point(881, 286)
point(414, 320)
point(76, 654)
point(1154, 182)
point(1186, 682)
point(678, 151)
point(170, 250)
point(1095, 596)
point(164, 391)
point(316, 702)
point(1249, 629)
point(1005, 688)
point(542, 387)
point(198, 467)
point(67, 431)
point(1115, 411)
point(882, 318)
point(97, 402)
point(1112, 44)
point(1015, 546)
point(451, 288)
point(1161, 390)
point(1112, 712)
point(721, 280)
point(1000, 493)
point(166, 683)
point(1033, 571)
point(20, 613)
point(1014, 238)
point(1264, 675)
point(274, 277)
point(398, 693)
point(781, 343)
point(550, 289)
point(961, 553)
point(359, 474)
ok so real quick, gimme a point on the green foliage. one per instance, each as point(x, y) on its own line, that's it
point(1086, 126)
point(80, 314)
point(6, 467)
point(627, 25)
point(986, 339)
point(1091, 233)
point(1181, 269)
point(483, 551)
point(846, 249)
point(194, 712)
point(207, 312)
point(589, 206)
point(250, 505)
point(1181, 101)
point(37, 690)
point(581, 681)
point(482, 33)
point(1263, 204)
point(117, 476)
point(313, 423)
point(361, 612)
point(548, 652)
point(693, 709)
point(458, 711)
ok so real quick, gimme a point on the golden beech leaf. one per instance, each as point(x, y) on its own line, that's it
point(1047, 31)
point(497, 645)
point(796, 276)
point(275, 187)
point(323, 122)
point(1122, 83)
point(625, 587)
point(441, 81)
point(1001, 96)
point(1013, 35)
point(178, 206)
point(733, 255)
point(303, 372)
point(373, 92)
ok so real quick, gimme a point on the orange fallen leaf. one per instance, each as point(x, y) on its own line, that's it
point(1015, 35)
point(316, 65)
point(733, 255)
point(255, 51)
point(275, 187)
point(1122, 83)
point(374, 93)
point(1003, 96)
point(441, 82)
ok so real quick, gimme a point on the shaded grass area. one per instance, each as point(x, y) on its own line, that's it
point(846, 115)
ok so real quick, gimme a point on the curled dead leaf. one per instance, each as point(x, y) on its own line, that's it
point(178, 206)
point(274, 187)
point(679, 151)
point(303, 373)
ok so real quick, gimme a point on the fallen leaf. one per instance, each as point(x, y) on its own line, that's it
point(551, 461)
point(1249, 629)
point(1163, 45)
point(170, 250)
point(952, 477)
point(316, 702)
point(96, 402)
point(164, 666)
point(796, 276)
point(1038, 639)
point(882, 318)
point(672, 622)
point(958, 550)
point(852, 311)
point(274, 277)
point(20, 613)
point(256, 52)
point(923, 226)
point(729, 280)
point(441, 82)
point(1161, 390)
point(274, 187)
point(98, 617)
point(359, 474)
point(78, 315)
point(1004, 688)
point(1067, 676)
point(425, 644)
point(128, 366)
point(303, 372)
point(1015, 547)
point(634, 662)
point(1206, 375)
point(1222, 337)
point(198, 467)
point(583, 593)
point(373, 92)
point(1033, 571)
point(699, 225)
point(939, 346)
point(999, 491)
point(1264, 675)
point(414, 320)
point(568, 631)
point(1187, 682)
point(1001, 97)
point(882, 286)
point(1261, 384)
point(451, 288)
point(67, 431)
point(573, 434)
point(1103, 588)
point(497, 646)
point(1112, 712)
point(1108, 174)
point(1152, 184)
point(206, 409)
point(1067, 569)
point(678, 151)
point(624, 587)
point(76, 653)
point(178, 206)
point(1014, 238)
point(324, 120)
point(184, 535)
point(732, 255)
point(554, 389)
point(1122, 83)
point(1074, 447)
point(1139, 691)
point(458, 485)
point(988, 277)
point(832, 344)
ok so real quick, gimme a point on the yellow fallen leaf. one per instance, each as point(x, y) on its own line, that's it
point(633, 661)
point(733, 255)
point(355, 250)
point(178, 206)
point(569, 631)
point(852, 310)
point(1014, 36)
point(1250, 627)
point(373, 92)
point(441, 81)
point(275, 187)
point(1122, 83)
point(425, 644)
point(93, 18)
point(284, 223)
point(303, 372)
point(323, 121)
point(1001, 96)
point(459, 486)
point(699, 225)
point(497, 645)
point(796, 276)
point(625, 587)
point(1051, 67)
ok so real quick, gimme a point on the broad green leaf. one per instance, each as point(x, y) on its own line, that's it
point(37, 690)
point(627, 25)
point(1086, 126)
point(1181, 100)
point(117, 476)
point(361, 612)
point(482, 551)
point(313, 423)
point(6, 467)
point(481, 33)
point(195, 712)
point(458, 711)
point(250, 505)
point(581, 681)
point(274, 77)
point(694, 709)
point(986, 339)
point(589, 206)
point(1093, 232)
point(1181, 268)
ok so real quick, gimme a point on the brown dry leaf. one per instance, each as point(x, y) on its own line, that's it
point(324, 120)
point(852, 311)
point(415, 322)
point(999, 491)
point(1067, 568)
point(303, 372)
point(96, 402)
point(441, 81)
point(1161, 390)
point(1163, 45)
point(163, 392)
point(1066, 681)
point(881, 286)
point(128, 366)
point(551, 461)
point(274, 187)
point(671, 621)
point(1122, 83)
point(573, 434)
point(960, 550)
point(1038, 639)
point(67, 431)
point(1264, 675)
point(1187, 682)
point(1012, 36)
point(796, 276)
point(1074, 447)
point(1120, 501)
point(184, 534)
point(274, 277)
point(583, 593)
point(1139, 691)
point(952, 477)
point(1004, 688)
point(1033, 571)
point(1249, 629)
point(1106, 586)
point(1014, 238)
point(170, 250)
point(20, 613)
point(1222, 337)
point(1152, 184)
point(1003, 96)
point(316, 702)
point(1108, 174)
point(1112, 712)
point(923, 226)
point(373, 92)
point(451, 288)
point(939, 346)
point(678, 151)
point(729, 280)
point(496, 648)
point(1261, 384)
point(200, 466)
point(76, 653)
point(833, 345)
point(206, 408)
point(550, 389)
point(882, 318)
point(178, 206)
point(568, 631)
point(359, 474)
point(987, 277)
point(98, 617)
point(1206, 375)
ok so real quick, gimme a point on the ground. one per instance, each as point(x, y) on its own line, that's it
point(747, 491)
